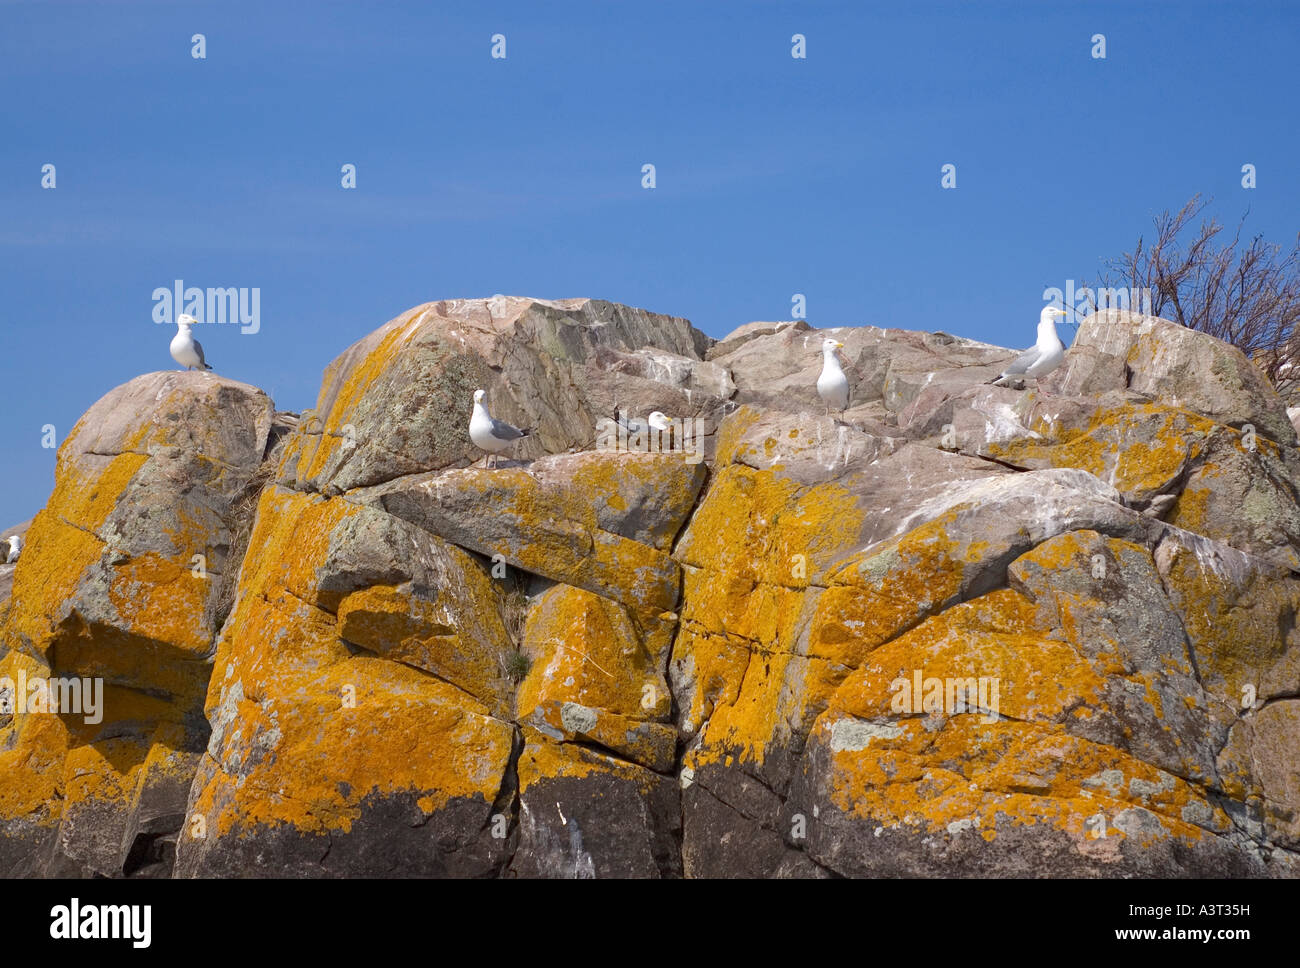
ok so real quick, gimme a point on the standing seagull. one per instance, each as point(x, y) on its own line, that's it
point(186, 350)
point(833, 385)
point(1041, 358)
point(488, 433)
point(15, 546)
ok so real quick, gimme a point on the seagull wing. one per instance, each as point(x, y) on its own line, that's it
point(1023, 362)
point(633, 426)
point(503, 431)
point(198, 351)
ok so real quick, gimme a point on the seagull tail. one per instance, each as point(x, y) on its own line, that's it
point(207, 366)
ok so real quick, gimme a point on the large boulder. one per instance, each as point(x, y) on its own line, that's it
point(328, 758)
point(118, 589)
point(398, 401)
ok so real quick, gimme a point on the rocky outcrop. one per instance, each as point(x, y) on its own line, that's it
point(963, 631)
point(118, 584)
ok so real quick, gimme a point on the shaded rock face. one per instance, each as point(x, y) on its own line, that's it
point(964, 631)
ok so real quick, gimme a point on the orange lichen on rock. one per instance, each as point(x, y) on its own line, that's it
point(303, 730)
point(990, 777)
point(1141, 449)
point(396, 624)
point(761, 526)
point(64, 541)
point(588, 650)
point(309, 754)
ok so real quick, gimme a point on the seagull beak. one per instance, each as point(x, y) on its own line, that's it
point(839, 345)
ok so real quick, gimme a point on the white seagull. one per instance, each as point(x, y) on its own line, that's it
point(490, 434)
point(833, 385)
point(1041, 358)
point(15, 546)
point(186, 350)
point(655, 421)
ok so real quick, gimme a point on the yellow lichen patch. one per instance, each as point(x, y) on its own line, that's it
point(990, 776)
point(731, 435)
point(126, 659)
point(107, 771)
point(557, 532)
point(779, 695)
point(1139, 448)
point(760, 526)
point(754, 548)
point(400, 626)
point(353, 386)
point(879, 593)
point(1193, 511)
point(543, 759)
point(713, 666)
point(1027, 676)
point(272, 637)
point(158, 599)
point(291, 537)
point(32, 749)
point(651, 744)
point(739, 660)
point(63, 542)
point(589, 650)
point(1232, 623)
point(619, 483)
point(724, 603)
point(310, 753)
point(303, 732)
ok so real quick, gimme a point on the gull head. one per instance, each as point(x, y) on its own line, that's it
point(658, 421)
point(1050, 314)
point(185, 320)
point(478, 396)
point(831, 345)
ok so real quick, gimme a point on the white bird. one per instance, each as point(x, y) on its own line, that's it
point(833, 385)
point(186, 350)
point(490, 434)
point(655, 421)
point(15, 546)
point(1041, 358)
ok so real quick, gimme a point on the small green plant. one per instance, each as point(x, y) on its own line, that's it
point(517, 665)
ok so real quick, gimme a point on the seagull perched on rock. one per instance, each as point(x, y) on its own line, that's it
point(833, 385)
point(488, 433)
point(15, 546)
point(1041, 358)
point(655, 421)
point(186, 350)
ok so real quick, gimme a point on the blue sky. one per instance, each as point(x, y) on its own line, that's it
point(477, 175)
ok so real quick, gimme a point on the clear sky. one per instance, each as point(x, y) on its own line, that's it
point(523, 175)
